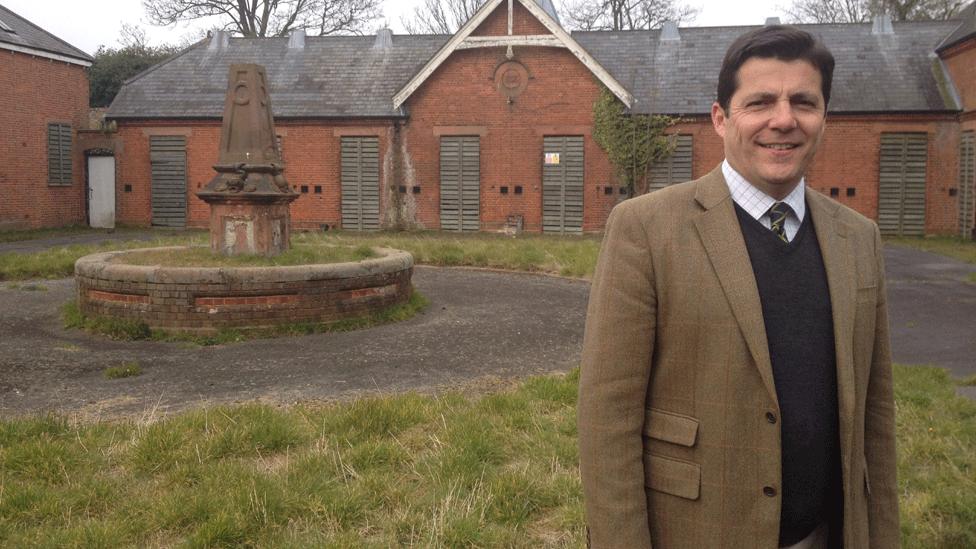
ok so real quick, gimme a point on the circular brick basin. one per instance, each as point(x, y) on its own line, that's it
point(206, 299)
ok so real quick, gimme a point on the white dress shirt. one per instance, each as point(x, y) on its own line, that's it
point(757, 203)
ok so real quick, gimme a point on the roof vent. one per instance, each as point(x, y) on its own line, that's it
point(296, 40)
point(881, 24)
point(384, 39)
point(669, 31)
point(219, 41)
point(770, 21)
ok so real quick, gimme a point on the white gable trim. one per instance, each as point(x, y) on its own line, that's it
point(45, 54)
point(460, 41)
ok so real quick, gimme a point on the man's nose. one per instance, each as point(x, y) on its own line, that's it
point(782, 117)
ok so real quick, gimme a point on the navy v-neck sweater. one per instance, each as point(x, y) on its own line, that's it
point(795, 298)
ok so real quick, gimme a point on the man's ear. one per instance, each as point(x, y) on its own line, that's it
point(718, 119)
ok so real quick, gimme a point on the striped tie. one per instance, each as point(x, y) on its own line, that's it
point(777, 217)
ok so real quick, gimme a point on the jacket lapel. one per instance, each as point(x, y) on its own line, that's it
point(718, 228)
point(837, 257)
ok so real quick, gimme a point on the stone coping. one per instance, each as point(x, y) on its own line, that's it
point(100, 266)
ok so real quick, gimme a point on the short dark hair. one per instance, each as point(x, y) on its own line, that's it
point(777, 42)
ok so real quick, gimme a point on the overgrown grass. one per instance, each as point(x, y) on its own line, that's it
point(936, 460)
point(59, 262)
point(495, 470)
point(963, 250)
point(299, 254)
point(131, 330)
point(129, 369)
point(573, 256)
point(19, 235)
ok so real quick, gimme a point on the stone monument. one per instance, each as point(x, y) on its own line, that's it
point(249, 198)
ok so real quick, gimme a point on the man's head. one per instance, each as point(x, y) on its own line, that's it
point(772, 100)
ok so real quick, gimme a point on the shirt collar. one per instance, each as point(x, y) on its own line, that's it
point(755, 202)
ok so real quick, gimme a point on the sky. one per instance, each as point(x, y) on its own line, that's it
point(87, 24)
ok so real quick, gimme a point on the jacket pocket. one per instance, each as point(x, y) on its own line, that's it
point(670, 427)
point(672, 476)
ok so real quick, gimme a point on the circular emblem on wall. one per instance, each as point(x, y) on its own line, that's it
point(511, 79)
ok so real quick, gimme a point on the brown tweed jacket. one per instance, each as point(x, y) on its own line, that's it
point(677, 407)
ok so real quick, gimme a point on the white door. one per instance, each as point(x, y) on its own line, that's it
point(101, 191)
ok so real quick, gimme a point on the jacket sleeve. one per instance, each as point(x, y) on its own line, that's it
point(617, 349)
point(879, 428)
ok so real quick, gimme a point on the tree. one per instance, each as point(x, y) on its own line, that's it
point(254, 18)
point(859, 11)
point(113, 66)
point(625, 14)
point(440, 16)
point(633, 142)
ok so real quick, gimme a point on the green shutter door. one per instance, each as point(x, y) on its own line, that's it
point(674, 169)
point(901, 196)
point(967, 184)
point(360, 183)
point(562, 184)
point(460, 183)
point(167, 155)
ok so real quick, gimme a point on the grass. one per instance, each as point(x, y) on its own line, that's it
point(129, 369)
point(59, 262)
point(454, 470)
point(130, 330)
point(299, 254)
point(572, 256)
point(958, 248)
point(19, 235)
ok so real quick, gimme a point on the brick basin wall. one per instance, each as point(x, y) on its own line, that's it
point(207, 299)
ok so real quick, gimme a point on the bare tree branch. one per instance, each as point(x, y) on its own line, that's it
point(859, 11)
point(624, 14)
point(440, 16)
point(270, 17)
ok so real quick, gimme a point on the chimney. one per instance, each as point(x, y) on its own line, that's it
point(669, 31)
point(296, 40)
point(219, 41)
point(384, 39)
point(881, 24)
point(770, 21)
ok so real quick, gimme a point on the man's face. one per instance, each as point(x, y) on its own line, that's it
point(774, 124)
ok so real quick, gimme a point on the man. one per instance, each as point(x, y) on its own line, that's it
point(736, 384)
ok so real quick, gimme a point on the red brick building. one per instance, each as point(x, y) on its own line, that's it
point(492, 127)
point(43, 105)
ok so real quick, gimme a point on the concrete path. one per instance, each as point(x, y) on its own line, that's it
point(482, 328)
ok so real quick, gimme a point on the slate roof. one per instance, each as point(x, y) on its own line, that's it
point(331, 77)
point(966, 29)
point(873, 73)
point(346, 76)
point(28, 35)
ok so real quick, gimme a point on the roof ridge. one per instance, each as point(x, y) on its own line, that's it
point(84, 55)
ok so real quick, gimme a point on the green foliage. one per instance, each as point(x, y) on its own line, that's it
point(454, 470)
point(129, 369)
point(633, 142)
point(963, 249)
point(113, 66)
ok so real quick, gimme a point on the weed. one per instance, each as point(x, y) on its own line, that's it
point(129, 369)
point(958, 248)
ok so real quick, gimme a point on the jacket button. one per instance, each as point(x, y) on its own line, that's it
point(769, 491)
point(770, 417)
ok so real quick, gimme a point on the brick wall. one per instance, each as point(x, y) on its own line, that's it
point(460, 97)
point(311, 155)
point(960, 60)
point(38, 91)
